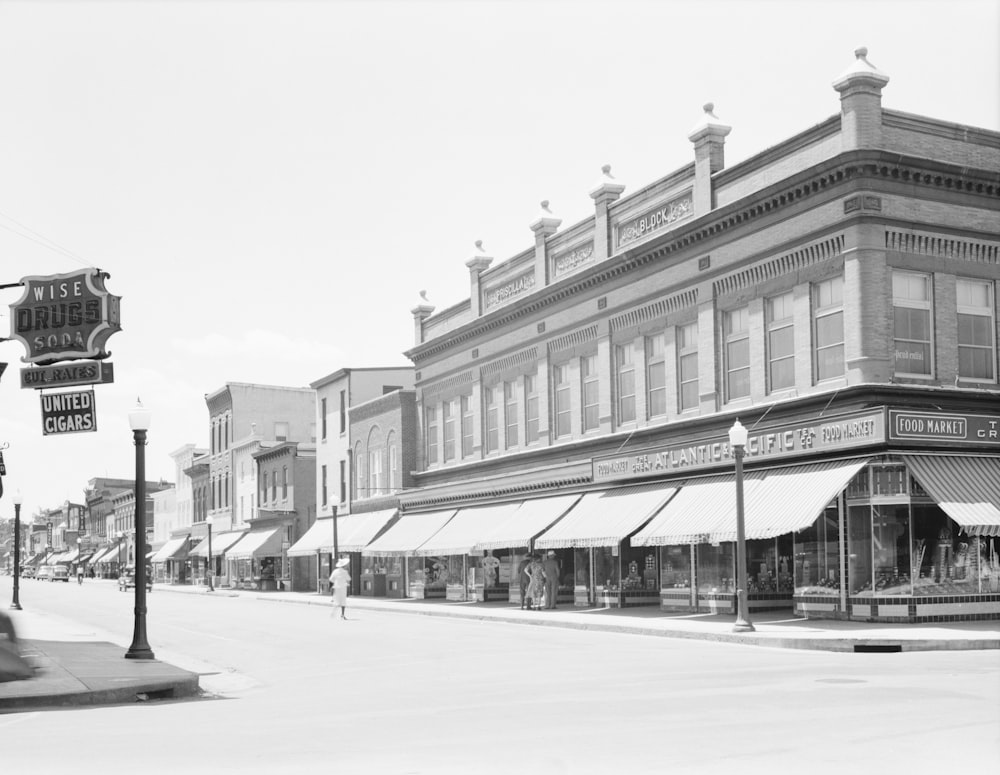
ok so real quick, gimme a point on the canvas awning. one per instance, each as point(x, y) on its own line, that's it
point(966, 488)
point(605, 518)
point(174, 549)
point(408, 533)
point(460, 534)
point(354, 532)
point(318, 538)
point(532, 518)
point(265, 542)
point(220, 543)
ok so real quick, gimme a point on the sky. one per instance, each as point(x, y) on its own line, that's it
point(270, 184)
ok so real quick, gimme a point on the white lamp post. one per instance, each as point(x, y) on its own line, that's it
point(738, 442)
point(139, 418)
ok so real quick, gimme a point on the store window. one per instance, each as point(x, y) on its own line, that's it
point(590, 392)
point(716, 568)
point(431, 434)
point(817, 556)
point(530, 408)
point(675, 567)
point(687, 367)
point(625, 369)
point(490, 404)
point(607, 573)
point(560, 384)
point(465, 404)
point(778, 311)
point(736, 333)
point(656, 376)
point(448, 420)
point(828, 328)
point(911, 316)
point(976, 326)
point(510, 414)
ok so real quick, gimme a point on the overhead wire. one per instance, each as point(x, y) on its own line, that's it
point(41, 239)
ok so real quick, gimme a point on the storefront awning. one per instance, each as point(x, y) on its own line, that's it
point(318, 538)
point(532, 518)
point(460, 534)
point(695, 512)
point(174, 549)
point(408, 533)
point(257, 543)
point(966, 488)
point(107, 554)
point(605, 518)
point(220, 543)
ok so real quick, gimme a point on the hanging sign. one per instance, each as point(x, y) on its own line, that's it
point(68, 374)
point(65, 317)
point(68, 412)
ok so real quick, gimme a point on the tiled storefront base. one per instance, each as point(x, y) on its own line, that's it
point(677, 601)
point(902, 609)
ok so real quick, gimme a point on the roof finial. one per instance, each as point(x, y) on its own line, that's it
point(479, 245)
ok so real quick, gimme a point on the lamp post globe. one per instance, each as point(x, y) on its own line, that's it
point(738, 443)
point(139, 419)
point(209, 570)
point(15, 602)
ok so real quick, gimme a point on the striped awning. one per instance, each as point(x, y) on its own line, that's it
point(533, 517)
point(408, 533)
point(966, 488)
point(265, 542)
point(460, 534)
point(606, 518)
point(174, 549)
point(693, 515)
point(220, 543)
point(362, 529)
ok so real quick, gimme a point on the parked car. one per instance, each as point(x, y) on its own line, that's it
point(28, 572)
point(44, 572)
point(59, 573)
point(126, 580)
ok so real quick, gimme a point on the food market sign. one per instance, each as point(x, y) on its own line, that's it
point(65, 317)
point(68, 412)
point(828, 434)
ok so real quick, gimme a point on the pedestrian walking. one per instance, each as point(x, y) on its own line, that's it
point(339, 580)
point(551, 567)
point(522, 578)
point(536, 583)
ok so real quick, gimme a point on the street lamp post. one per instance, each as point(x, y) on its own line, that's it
point(139, 419)
point(209, 570)
point(16, 603)
point(121, 545)
point(738, 442)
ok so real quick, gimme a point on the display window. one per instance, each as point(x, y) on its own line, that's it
point(716, 568)
point(859, 550)
point(494, 571)
point(769, 566)
point(639, 570)
point(606, 568)
point(817, 556)
point(375, 566)
point(581, 567)
point(675, 567)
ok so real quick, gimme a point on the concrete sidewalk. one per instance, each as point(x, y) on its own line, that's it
point(777, 629)
point(75, 671)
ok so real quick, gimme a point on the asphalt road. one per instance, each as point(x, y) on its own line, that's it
point(292, 687)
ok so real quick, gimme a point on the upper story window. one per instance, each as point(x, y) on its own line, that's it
point(656, 376)
point(911, 323)
point(467, 425)
point(343, 412)
point(281, 431)
point(530, 408)
point(976, 323)
point(590, 390)
point(625, 373)
point(274, 485)
point(491, 407)
point(828, 328)
point(359, 473)
point(284, 481)
point(687, 367)
point(448, 420)
point(322, 416)
point(736, 332)
point(560, 387)
point(323, 483)
point(779, 316)
point(375, 472)
point(510, 413)
point(392, 474)
point(431, 429)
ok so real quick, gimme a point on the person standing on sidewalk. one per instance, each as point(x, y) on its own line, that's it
point(551, 567)
point(522, 578)
point(339, 581)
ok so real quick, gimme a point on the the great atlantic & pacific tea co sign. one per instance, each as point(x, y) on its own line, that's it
point(828, 434)
point(65, 317)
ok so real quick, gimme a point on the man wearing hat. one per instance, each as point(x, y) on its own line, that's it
point(551, 567)
point(339, 581)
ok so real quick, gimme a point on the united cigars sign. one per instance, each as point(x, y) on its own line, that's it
point(68, 412)
point(65, 317)
point(775, 442)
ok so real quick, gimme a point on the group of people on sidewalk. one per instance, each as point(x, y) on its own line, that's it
point(539, 580)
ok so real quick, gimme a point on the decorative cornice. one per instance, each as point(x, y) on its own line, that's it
point(658, 309)
point(765, 270)
point(818, 180)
